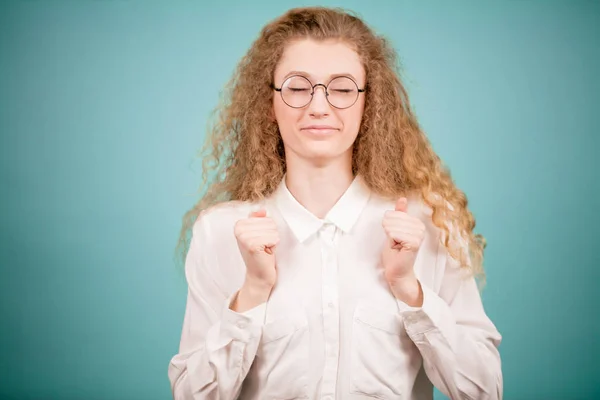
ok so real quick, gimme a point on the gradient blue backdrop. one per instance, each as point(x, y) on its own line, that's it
point(103, 105)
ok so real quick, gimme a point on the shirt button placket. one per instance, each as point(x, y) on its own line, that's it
point(330, 310)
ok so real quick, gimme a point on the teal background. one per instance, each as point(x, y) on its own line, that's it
point(103, 106)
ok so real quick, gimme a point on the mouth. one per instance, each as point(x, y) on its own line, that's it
point(319, 130)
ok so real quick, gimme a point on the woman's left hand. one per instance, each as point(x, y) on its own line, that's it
point(405, 234)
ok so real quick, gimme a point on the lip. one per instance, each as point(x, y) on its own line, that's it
point(319, 127)
point(319, 130)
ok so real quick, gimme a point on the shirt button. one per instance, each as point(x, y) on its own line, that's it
point(241, 324)
point(327, 398)
point(330, 305)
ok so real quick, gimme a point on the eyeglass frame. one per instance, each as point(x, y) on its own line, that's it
point(312, 94)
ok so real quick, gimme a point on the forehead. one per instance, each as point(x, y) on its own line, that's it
point(320, 60)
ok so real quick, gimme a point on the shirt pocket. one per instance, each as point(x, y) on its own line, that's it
point(282, 358)
point(378, 366)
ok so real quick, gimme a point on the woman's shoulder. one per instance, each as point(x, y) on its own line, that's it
point(226, 209)
point(224, 215)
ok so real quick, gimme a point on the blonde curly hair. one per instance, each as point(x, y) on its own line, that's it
point(243, 156)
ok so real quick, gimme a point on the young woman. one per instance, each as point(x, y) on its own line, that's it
point(332, 257)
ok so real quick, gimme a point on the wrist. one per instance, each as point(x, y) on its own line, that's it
point(257, 286)
point(408, 290)
point(251, 294)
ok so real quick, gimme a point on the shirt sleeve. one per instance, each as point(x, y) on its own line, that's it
point(457, 340)
point(217, 345)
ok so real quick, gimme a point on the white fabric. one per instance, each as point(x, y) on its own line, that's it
point(331, 328)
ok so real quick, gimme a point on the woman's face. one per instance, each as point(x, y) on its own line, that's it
point(318, 131)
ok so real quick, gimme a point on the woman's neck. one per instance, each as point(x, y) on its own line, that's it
point(318, 188)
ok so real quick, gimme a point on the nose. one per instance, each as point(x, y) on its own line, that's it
point(319, 106)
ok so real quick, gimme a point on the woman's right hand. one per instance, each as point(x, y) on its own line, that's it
point(257, 238)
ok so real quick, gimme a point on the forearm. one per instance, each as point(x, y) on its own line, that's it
point(408, 290)
point(461, 359)
point(214, 366)
point(250, 295)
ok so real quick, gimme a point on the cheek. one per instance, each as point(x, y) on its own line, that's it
point(280, 111)
point(353, 118)
point(285, 116)
point(277, 103)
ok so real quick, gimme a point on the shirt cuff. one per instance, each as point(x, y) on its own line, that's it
point(434, 314)
point(242, 326)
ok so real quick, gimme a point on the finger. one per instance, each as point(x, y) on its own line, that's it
point(417, 232)
point(392, 223)
point(243, 229)
point(260, 235)
point(247, 237)
point(258, 223)
point(271, 246)
point(401, 204)
point(395, 232)
point(262, 243)
point(404, 240)
point(399, 215)
point(414, 232)
point(258, 214)
point(393, 216)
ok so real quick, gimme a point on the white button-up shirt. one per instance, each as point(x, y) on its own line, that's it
point(331, 328)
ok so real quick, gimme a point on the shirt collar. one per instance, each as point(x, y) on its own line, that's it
point(343, 214)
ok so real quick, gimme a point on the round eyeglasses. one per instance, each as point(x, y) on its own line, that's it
point(297, 91)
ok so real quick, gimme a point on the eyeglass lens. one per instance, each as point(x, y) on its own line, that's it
point(297, 91)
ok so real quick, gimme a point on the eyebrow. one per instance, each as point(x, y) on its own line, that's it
point(306, 74)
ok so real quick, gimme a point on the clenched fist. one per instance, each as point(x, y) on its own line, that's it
point(405, 234)
point(257, 238)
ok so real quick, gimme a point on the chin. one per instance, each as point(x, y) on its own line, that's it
point(322, 157)
point(322, 152)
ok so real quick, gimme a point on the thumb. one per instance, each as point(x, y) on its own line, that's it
point(401, 204)
point(259, 214)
